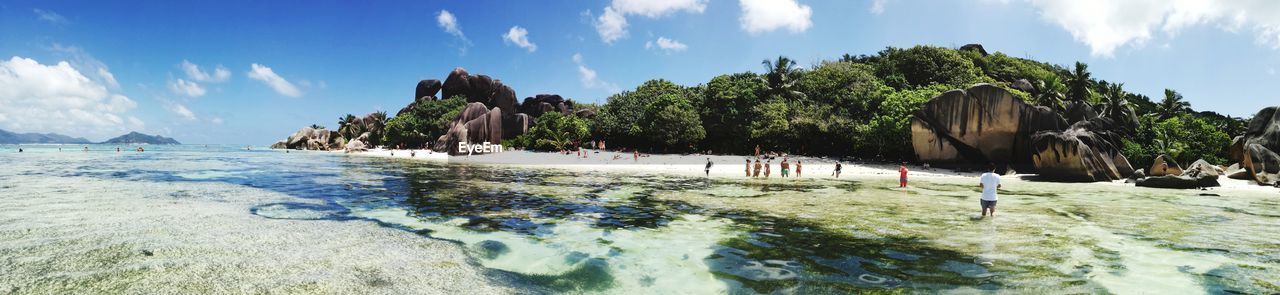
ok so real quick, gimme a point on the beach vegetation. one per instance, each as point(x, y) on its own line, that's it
point(553, 132)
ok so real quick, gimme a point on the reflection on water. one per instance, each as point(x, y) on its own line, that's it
point(589, 232)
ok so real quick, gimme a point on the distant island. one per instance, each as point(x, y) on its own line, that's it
point(139, 138)
point(7, 137)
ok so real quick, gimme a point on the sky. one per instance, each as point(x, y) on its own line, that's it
point(253, 72)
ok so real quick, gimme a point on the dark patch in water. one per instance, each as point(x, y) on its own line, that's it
point(325, 212)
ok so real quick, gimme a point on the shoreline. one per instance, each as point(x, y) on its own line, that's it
point(732, 166)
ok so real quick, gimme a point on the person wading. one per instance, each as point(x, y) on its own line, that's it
point(902, 175)
point(989, 182)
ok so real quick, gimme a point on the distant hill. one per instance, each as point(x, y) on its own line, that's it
point(137, 138)
point(7, 137)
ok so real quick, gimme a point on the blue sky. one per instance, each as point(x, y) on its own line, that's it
point(253, 72)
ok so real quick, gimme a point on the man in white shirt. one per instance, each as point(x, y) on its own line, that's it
point(989, 182)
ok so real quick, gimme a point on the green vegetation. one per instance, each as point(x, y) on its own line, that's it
point(859, 106)
point(553, 132)
point(426, 121)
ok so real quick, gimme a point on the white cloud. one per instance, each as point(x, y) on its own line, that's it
point(658, 8)
point(108, 78)
point(760, 16)
point(220, 73)
point(181, 111)
point(187, 88)
point(589, 79)
point(58, 98)
point(216, 120)
point(877, 6)
point(1109, 25)
point(449, 23)
point(50, 16)
point(84, 62)
point(520, 37)
point(665, 44)
point(277, 83)
point(612, 23)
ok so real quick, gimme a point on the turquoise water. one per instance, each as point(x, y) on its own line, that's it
point(537, 230)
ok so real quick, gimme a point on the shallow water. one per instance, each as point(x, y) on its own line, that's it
point(541, 230)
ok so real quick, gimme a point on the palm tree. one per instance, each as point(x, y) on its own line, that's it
point(781, 76)
point(347, 126)
point(1079, 81)
point(1115, 105)
point(1050, 92)
point(316, 126)
point(376, 126)
point(1172, 105)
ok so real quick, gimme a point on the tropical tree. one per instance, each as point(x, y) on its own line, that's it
point(1050, 92)
point(1079, 83)
point(316, 126)
point(553, 131)
point(347, 126)
point(781, 76)
point(1172, 105)
point(1115, 106)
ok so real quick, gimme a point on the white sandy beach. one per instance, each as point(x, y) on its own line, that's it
point(724, 166)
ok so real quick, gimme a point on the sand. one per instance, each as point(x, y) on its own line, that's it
point(727, 166)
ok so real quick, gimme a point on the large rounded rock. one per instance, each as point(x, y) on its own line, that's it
point(1076, 155)
point(1262, 163)
point(481, 89)
point(1164, 165)
point(1259, 145)
point(458, 83)
point(504, 98)
point(426, 88)
point(1078, 111)
point(979, 125)
point(515, 126)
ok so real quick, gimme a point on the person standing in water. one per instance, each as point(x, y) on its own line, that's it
point(836, 172)
point(708, 169)
point(786, 167)
point(757, 171)
point(766, 168)
point(989, 182)
point(902, 175)
point(748, 167)
point(797, 168)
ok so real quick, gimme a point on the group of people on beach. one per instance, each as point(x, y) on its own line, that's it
point(754, 171)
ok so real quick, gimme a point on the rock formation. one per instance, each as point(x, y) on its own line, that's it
point(358, 144)
point(311, 139)
point(1199, 174)
point(987, 124)
point(492, 113)
point(1257, 149)
point(1164, 165)
point(980, 125)
point(1165, 173)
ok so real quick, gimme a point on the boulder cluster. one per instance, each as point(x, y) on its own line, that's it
point(1166, 173)
point(311, 139)
point(1256, 150)
point(968, 128)
point(491, 113)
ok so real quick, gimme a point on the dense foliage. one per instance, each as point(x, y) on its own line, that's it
point(858, 106)
point(425, 122)
point(553, 132)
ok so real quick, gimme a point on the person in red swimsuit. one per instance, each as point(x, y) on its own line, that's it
point(902, 175)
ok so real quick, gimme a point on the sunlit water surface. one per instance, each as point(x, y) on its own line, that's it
point(541, 230)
